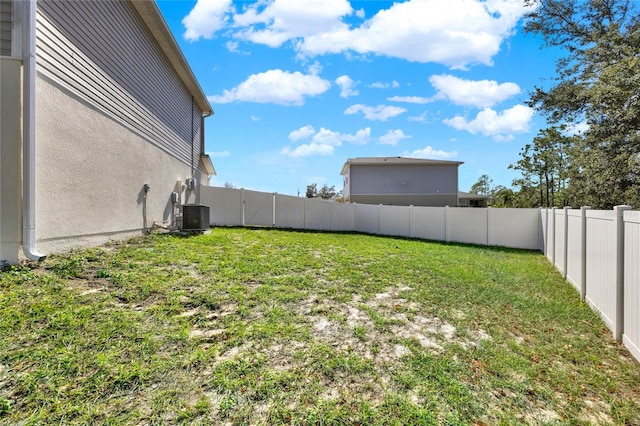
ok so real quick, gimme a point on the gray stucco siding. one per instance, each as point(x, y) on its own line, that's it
point(403, 179)
point(102, 52)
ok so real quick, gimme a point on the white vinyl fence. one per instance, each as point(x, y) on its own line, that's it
point(598, 252)
point(516, 228)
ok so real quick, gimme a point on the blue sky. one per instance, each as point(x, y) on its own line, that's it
point(300, 86)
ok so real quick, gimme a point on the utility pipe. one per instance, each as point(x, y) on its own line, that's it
point(29, 133)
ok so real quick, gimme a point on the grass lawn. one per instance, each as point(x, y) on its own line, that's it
point(256, 326)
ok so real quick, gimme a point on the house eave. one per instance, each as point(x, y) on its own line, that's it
point(207, 165)
point(376, 161)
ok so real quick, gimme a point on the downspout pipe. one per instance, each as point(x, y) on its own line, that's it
point(29, 134)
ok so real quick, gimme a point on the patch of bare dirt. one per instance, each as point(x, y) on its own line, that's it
point(334, 323)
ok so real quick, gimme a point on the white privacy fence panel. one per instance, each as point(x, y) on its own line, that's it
point(559, 243)
point(515, 228)
point(367, 218)
point(342, 217)
point(631, 335)
point(575, 238)
point(544, 228)
point(550, 237)
point(518, 228)
point(258, 208)
point(429, 223)
point(604, 266)
point(395, 221)
point(289, 212)
point(467, 225)
point(225, 205)
point(317, 214)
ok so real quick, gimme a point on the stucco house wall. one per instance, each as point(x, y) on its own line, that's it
point(117, 107)
point(401, 181)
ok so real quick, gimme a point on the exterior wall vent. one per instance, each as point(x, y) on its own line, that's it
point(195, 217)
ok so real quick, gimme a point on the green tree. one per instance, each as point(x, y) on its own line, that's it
point(482, 186)
point(504, 197)
point(545, 168)
point(312, 190)
point(597, 83)
point(327, 192)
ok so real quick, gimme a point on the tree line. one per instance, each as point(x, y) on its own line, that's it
point(597, 89)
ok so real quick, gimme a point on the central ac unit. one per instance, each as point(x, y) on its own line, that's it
point(195, 217)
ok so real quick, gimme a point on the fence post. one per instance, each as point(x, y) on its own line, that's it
point(540, 231)
point(566, 241)
point(618, 328)
point(273, 216)
point(489, 229)
point(583, 252)
point(546, 233)
point(553, 236)
point(243, 204)
point(379, 219)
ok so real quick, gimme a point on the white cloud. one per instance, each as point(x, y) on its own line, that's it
point(274, 22)
point(577, 129)
point(455, 33)
point(346, 86)
point(306, 150)
point(499, 125)
point(315, 68)
point(381, 85)
point(219, 154)
point(422, 118)
point(393, 137)
point(274, 86)
point(429, 152)
point(322, 142)
point(361, 137)
point(409, 99)
point(380, 112)
point(328, 137)
point(206, 17)
point(480, 94)
point(302, 133)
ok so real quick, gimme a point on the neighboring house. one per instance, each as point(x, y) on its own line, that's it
point(102, 119)
point(468, 199)
point(401, 181)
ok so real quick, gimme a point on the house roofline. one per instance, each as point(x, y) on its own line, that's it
point(152, 17)
point(367, 161)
